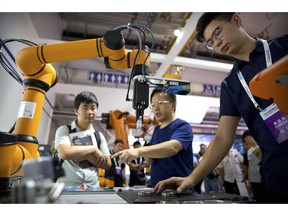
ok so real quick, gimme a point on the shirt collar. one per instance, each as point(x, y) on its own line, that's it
point(258, 49)
point(259, 46)
point(74, 126)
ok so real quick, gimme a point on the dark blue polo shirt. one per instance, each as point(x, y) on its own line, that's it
point(234, 101)
point(180, 164)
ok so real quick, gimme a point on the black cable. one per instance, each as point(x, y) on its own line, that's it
point(131, 76)
point(12, 128)
point(133, 67)
point(143, 33)
point(9, 69)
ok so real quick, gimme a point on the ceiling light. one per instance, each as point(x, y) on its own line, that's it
point(177, 32)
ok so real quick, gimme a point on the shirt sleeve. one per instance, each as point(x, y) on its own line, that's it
point(227, 105)
point(220, 165)
point(183, 134)
point(62, 136)
point(241, 158)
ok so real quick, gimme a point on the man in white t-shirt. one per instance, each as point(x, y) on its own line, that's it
point(252, 161)
point(230, 171)
point(77, 145)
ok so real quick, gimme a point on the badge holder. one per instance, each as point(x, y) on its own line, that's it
point(276, 121)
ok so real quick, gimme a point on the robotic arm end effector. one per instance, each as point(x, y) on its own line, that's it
point(140, 101)
point(141, 93)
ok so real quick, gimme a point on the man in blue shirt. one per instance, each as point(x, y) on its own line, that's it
point(171, 144)
point(223, 32)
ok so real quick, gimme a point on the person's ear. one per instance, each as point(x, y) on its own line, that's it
point(174, 106)
point(75, 111)
point(237, 20)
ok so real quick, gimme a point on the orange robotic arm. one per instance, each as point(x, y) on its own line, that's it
point(273, 83)
point(40, 76)
point(32, 60)
point(121, 122)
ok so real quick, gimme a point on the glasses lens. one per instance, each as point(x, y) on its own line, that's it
point(217, 34)
point(209, 46)
point(159, 103)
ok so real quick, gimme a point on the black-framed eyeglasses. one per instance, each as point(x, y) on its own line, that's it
point(217, 34)
point(159, 103)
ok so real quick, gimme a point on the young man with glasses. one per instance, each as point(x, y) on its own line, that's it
point(170, 148)
point(223, 32)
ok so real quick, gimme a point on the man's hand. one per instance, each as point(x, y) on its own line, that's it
point(105, 162)
point(127, 155)
point(100, 160)
point(177, 183)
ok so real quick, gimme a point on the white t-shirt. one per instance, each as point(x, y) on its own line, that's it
point(253, 166)
point(75, 175)
point(232, 166)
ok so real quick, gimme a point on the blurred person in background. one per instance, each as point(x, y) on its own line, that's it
point(252, 166)
point(137, 166)
point(116, 175)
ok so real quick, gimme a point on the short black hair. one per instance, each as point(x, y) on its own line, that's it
point(118, 141)
point(206, 19)
point(137, 142)
point(86, 97)
point(246, 133)
point(161, 90)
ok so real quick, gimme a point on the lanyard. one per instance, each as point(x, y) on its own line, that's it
point(242, 80)
point(115, 162)
point(114, 159)
point(140, 160)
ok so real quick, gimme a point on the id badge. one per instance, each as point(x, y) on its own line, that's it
point(276, 121)
point(118, 170)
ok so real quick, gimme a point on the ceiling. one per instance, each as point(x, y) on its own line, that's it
point(93, 25)
point(183, 55)
point(170, 55)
